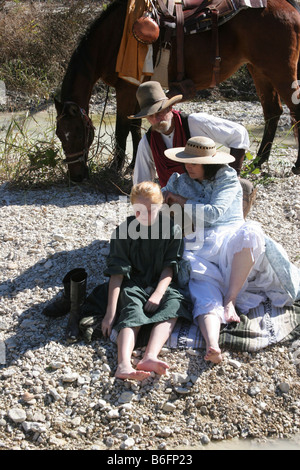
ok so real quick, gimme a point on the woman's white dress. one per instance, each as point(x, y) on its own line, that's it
point(224, 232)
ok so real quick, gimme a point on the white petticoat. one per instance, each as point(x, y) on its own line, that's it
point(211, 269)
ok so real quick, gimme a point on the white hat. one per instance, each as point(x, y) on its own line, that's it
point(199, 150)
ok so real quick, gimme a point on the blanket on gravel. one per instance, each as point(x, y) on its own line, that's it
point(261, 327)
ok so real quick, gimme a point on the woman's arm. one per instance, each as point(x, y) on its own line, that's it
point(225, 189)
point(114, 288)
point(155, 298)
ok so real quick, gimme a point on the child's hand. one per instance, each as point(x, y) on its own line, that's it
point(106, 325)
point(153, 302)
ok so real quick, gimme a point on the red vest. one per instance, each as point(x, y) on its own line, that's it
point(164, 166)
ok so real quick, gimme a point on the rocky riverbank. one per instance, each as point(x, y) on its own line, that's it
point(54, 396)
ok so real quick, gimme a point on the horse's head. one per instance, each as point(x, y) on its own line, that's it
point(76, 133)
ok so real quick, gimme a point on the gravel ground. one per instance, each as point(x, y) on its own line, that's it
point(59, 397)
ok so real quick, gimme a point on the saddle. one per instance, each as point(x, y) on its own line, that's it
point(181, 17)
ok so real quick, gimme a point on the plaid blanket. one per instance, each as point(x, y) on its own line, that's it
point(262, 327)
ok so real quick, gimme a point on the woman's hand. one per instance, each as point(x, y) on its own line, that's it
point(171, 198)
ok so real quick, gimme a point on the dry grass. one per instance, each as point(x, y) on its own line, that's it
point(36, 42)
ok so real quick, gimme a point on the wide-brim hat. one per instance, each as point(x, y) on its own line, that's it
point(152, 99)
point(201, 150)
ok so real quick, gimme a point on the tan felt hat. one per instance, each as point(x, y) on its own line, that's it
point(152, 99)
point(199, 150)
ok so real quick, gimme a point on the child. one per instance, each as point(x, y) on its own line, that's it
point(141, 269)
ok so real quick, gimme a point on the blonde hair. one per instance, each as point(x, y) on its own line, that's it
point(148, 190)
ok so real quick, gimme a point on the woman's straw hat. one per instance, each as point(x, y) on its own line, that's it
point(152, 99)
point(199, 150)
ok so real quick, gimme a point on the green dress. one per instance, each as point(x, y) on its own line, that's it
point(140, 254)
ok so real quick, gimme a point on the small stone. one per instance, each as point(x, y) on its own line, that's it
point(70, 377)
point(113, 414)
point(234, 363)
point(203, 410)
point(182, 390)
point(48, 264)
point(137, 428)
point(34, 427)
point(128, 443)
point(28, 397)
point(17, 415)
point(101, 403)
point(169, 407)
point(56, 365)
point(284, 387)
point(204, 439)
point(58, 237)
point(253, 391)
point(126, 397)
point(180, 378)
point(55, 394)
point(106, 368)
point(109, 442)
point(164, 432)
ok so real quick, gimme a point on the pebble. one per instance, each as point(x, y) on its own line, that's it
point(17, 415)
point(169, 407)
point(234, 363)
point(56, 396)
point(284, 387)
point(126, 397)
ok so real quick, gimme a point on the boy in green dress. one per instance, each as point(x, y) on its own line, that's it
point(144, 257)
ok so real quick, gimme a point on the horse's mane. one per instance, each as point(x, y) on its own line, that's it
point(294, 4)
point(80, 56)
point(102, 16)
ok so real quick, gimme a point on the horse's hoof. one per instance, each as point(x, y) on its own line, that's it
point(296, 170)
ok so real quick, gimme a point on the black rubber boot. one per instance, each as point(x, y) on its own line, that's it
point(62, 306)
point(77, 298)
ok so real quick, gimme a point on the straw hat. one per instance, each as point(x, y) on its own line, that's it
point(152, 99)
point(199, 150)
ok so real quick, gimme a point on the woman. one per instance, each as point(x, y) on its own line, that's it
point(231, 268)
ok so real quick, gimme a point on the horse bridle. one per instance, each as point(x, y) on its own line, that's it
point(81, 156)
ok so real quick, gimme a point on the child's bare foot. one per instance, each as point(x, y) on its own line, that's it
point(130, 373)
point(153, 365)
point(230, 313)
point(214, 355)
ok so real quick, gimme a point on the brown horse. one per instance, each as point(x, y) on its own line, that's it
point(267, 40)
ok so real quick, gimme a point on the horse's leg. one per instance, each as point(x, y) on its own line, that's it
point(122, 131)
point(126, 105)
point(135, 129)
point(272, 110)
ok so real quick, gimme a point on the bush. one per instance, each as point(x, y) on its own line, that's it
point(37, 42)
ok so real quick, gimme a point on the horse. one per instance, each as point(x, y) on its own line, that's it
point(267, 40)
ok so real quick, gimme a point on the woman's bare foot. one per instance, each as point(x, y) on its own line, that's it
point(214, 355)
point(230, 313)
point(153, 365)
point(124, 372)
